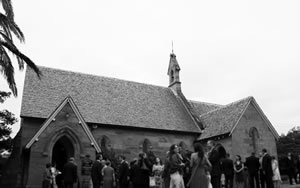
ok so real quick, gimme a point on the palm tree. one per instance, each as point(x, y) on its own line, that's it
point(8, 28)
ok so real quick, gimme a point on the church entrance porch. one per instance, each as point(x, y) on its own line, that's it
point(62, 150)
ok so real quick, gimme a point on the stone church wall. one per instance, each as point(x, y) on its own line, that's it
point(227, 143)
point(245, 139)
point(130, 142)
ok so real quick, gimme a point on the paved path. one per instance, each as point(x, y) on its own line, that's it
point(290, 186)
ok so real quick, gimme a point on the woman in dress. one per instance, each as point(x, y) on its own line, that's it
point(276, 173)
point(239, 172)
point(47, 178)
point(200, 168)
point(108, 174)
point(54, 173)
point(157, 170)
point(176, 165)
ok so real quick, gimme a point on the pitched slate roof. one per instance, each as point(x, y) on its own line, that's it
point(105, 100)
point(222, 120)
point(203, 107)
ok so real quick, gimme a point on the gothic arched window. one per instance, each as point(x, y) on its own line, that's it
point(253, 133)
point(146, 145)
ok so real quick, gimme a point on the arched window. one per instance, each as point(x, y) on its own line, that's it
point(146, 145)
point(253, 133)
point(105, 142)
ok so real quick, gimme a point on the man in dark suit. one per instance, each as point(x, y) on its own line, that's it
point(70, 173)
point(227, 170)
point(215, 154)
point(96, 172)
point(252, 163)
point(267, 168)
point(292, 168)
point(123, 173)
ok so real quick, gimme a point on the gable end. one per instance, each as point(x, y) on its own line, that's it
point(67, 100)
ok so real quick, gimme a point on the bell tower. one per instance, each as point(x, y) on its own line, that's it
point(173, 72)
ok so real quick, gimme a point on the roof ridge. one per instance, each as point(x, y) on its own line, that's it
point(100, 76)
point(227, 105)
point(209, 103)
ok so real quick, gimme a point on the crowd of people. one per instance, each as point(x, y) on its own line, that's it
point(206, 167)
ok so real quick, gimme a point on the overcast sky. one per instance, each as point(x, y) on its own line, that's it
point(227, 50)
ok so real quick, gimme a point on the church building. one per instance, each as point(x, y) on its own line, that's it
point(68, 114)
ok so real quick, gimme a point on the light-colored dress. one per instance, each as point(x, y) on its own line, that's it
point(157, 171)
point(176, 180)
point(276, 174)
point(200, 177)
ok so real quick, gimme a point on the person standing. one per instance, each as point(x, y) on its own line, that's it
point(239, 172)
point(176, 166)
point(54, 173)
point(123, 173)
point(157, 170)
point(47, 176)
point(228, 171)
point(145, 166)
point(215, 154)
point(267, 168)
point(252, 163)
point(200, 168)
point(291, 167)
point(262, 178)
point(298, 168)
point(70, 173)
point(108, 175)
point(276, 173)
point(166, 172)
point(86, 168)
point(134, 173)
point(96, 172)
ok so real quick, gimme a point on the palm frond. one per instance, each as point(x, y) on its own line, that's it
point(9, 26)
point(12, 48)
point(20, 63)
point(17, 31)
point(4, 25)
point(7, 69)
point(8, 8)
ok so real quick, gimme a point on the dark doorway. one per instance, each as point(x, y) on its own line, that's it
point(62, 150)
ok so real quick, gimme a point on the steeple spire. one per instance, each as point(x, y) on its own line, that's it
point(173, 72)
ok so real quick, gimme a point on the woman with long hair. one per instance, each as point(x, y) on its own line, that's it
point(200, 168)
point(238, 167)
point(176, 166)
point(276, 174)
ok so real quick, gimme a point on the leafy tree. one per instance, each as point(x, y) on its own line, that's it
point(8, 29)
point(288, 143)
point(7, 119)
